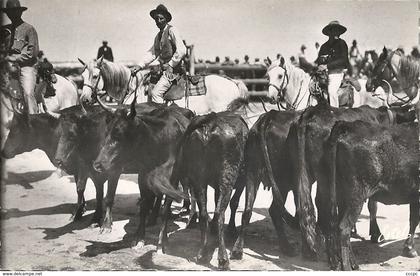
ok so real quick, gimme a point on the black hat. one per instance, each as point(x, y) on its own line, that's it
point(161, 9)
point(334, 25)
point(13, 5)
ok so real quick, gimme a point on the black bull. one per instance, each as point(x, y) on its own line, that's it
point(211, 153)
point(364, 160)
point(147, 145)
point(306, 141)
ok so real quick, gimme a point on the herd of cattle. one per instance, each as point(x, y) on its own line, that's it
point(353, 154)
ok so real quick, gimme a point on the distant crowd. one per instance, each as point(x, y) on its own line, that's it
point(361, 65)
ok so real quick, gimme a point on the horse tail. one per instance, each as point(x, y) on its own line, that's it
point(238, 103)
point(305, 208)
point(269, 175)
point(332, 157)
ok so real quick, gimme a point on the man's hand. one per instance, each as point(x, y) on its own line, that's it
point(135, 69)
point(322, 67)
point(168, 70)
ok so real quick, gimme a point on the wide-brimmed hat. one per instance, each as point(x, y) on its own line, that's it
point(334, 25)
point(161, 9)
point(13, 5)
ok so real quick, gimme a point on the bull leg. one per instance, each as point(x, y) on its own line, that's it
point(252, 184)
point(163, 235)
point(99, 187)
point(349, 218)
point(146, 203)
point(155, 211)
point(214, 221)
point(192, 218)
point(204, 222)
point(234, 203)
point(187, 203)
point(287, 245)
point(222, 203)
point(374, 231)
point(80, 209)
point(109, 202)
point(409, 250)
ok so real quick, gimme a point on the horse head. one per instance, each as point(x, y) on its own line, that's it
point(92, 81)
point(382, 72)
point(277, 79)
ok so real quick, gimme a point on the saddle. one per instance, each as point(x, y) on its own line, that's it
point(186, 86)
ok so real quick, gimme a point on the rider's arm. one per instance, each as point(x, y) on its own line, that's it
point(180, 47)
point(29, 52)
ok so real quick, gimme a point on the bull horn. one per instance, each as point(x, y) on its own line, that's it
point(104, 106)
point(81, 61)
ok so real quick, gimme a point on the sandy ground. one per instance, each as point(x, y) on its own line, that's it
point(37, 234)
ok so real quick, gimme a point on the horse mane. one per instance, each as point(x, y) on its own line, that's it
point(296, 74)
point(115, 77)
point(409, 70)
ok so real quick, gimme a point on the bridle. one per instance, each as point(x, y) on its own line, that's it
point(281, 89)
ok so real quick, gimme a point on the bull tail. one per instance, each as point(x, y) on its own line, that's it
point(269, 175)
point(159, 180)
point(305, 208)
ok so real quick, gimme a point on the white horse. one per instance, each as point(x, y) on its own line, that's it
point(292, 85)
point(117, 81)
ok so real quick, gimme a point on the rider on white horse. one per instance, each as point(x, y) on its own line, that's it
point(168, 48)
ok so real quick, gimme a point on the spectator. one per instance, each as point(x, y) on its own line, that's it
point(293, 61)
point(236, 61)
point(227, 61)
point(105, 51)
point(415, 53)
point(217, 60)
point(246, 59)
point(258, 62)
point(355, 59)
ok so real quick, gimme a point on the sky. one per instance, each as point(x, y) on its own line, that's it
point(68, 29)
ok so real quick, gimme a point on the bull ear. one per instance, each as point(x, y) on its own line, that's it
point(269, 62)
point(282, 61)
point(132, 113)
point(385, 51)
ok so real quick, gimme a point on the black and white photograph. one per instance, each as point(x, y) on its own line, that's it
point(209, 135)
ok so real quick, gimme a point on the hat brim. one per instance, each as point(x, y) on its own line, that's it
point(15, 8)
point(168, 16)
point(340, 28)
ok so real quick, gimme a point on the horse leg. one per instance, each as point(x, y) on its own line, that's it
point(146, 203)
point(78, 212)
point(163, 234)
point(409, 250)
point(201, 195)
point(222, 203)
point(374, 231)
point(109, 202)
point(252, 183)
point(193, 215)
point(98, 181)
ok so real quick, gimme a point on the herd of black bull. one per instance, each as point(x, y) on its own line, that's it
point(354, 154)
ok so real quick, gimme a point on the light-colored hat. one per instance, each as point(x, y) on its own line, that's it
point(161, 9)
point(334, 25)
point(13, 5)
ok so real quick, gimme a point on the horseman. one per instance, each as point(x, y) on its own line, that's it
point(168, 48)
point(23, 49)
point(333, 57)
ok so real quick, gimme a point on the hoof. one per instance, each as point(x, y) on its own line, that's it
point(223, 264)
point(377, 239)
point(160, 250)
point(138, 245)
point(236, 255)
point(409, 252)
point(291, 250)
point(105, 230)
